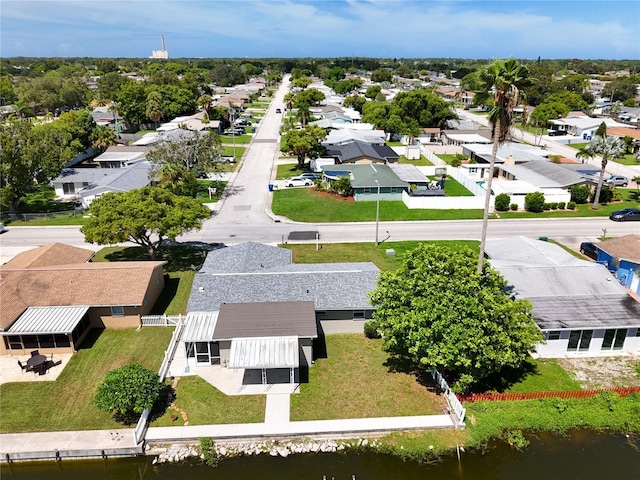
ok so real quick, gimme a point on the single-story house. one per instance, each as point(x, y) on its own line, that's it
point(121, 156)
point(196, 122)
point(622, 257)
point(362, 152)
point(87, 184)
point(345, 136)
point(252, 308)
point(509, 151)
point(52, 296)
point(367, 179)
point(583, 127)
point(633, 133)
point(463, 137)
point(577, 304)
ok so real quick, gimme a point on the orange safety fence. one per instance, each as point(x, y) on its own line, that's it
point(573, 394)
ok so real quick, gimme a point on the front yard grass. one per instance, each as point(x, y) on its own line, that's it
point(239, 140)
point(206, 405)
point(354, 382)
point(229, 151)
point(67, 403)
point(422, 162)
point(308, 205)
point(546, 375)
point(368, 252)
point(584, 210)
point(287, 170)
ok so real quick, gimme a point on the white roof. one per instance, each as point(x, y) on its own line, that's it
point(513, 187)
point(200, 326)
point(264, 352)
point(116, 156)
point(48, 320)
point(468, 137)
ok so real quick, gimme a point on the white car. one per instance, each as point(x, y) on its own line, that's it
point(298, 182)
point(2, 228)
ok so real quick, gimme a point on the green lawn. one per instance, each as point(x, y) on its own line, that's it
point(206, 405)
point(453, 188)
point(545, 375)
point(47, 220)
point(239, 139)
point(286, 170)
point(308, 205)
point(66, 404)
point(340, 386)
point(447, 157)
point(628, 159)
point(423, 162)
point(367, 252)
point(228, 151)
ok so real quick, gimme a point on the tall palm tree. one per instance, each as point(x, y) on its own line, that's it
point(204, 101)
point(608, 148)
point(502, 79)
point(154, 109)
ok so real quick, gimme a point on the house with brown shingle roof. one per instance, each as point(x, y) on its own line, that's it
point(50, 297)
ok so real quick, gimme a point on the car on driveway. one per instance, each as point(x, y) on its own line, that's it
point(298, 182)
point(589, 249)
point(234, 131)
point(618, 181)
point(557, 133)
point(310, 175)
point(625, 215)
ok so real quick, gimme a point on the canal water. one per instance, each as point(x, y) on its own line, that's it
point(579, 455)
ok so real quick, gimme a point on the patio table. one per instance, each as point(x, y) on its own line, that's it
point(36, 361)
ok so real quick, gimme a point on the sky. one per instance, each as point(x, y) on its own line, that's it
point(583, 29)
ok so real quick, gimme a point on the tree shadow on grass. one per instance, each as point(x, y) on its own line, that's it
point(506, 378)
point(397, 364)
point(178, 258)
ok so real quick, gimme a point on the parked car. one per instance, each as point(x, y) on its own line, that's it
point(618, 180)
point(298, 182)
point(2, 228)
point(234, 131)
point(557, 133)
point(625, 215)
point(589, 249)
point(278, 110)
point(310, 175)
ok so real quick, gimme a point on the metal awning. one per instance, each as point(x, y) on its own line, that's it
point(200, 326)
point(265, 352)
point(37, 320)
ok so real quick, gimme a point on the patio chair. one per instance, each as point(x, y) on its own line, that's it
point(34, 353)
point(23, 367)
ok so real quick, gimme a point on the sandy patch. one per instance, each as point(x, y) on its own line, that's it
point(603, 372)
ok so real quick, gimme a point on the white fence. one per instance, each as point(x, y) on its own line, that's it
point(443, 203)
point(454, 404)
point(160, 320)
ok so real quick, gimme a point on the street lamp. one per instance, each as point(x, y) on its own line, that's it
point(377, 211)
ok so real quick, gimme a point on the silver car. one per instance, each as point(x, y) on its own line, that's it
point(618, 181)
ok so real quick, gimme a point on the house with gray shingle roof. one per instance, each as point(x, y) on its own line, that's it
point(578, 305)
point(251, 307)
point(361, 152)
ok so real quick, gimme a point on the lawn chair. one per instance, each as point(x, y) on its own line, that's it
point(23, 367)
point(34, 353)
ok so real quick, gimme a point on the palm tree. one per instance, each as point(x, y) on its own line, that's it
point(289, 99)
point(608, 148)
point(204, 101)
point(304, 113)
point(113, 107)
point(154, 107)
point(503, 79)
point(585, 153)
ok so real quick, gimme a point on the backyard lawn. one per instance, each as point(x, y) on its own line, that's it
point(66, 403)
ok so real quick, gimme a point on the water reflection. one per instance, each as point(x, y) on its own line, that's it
point(581, 455)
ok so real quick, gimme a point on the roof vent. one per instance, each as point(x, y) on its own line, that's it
point(201, 289)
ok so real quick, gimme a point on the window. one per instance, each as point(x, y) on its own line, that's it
point(366, 190)
point(614, 339)
point(553, 335)
point(117, 311)
point(358, 314)
point(579, 340)
point(637, 332)
point(68, 189)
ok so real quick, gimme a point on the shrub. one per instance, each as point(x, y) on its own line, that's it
point(546, 206)
point(370, 330)
point(571, 205)
point(561, 205)
point(579, 193)
point(455, 162)
point(553, 205)
point(514, 206)
point(617, 196)
point(534, 202)
point(606, 195)
point(502, 202)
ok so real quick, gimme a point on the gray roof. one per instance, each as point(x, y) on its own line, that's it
point(253, 272)
point(408, 173)
point(354, 150)
point(123, 179)
point(266, 319)
point(544, 174)
point(528, 251)
point(572, 296)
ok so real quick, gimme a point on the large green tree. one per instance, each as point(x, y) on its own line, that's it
point(304, 143)
point(128, 391)
point(503, 80)
point(197, 152)
point(144, 216)
point(436, 310)
point(30, 155)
